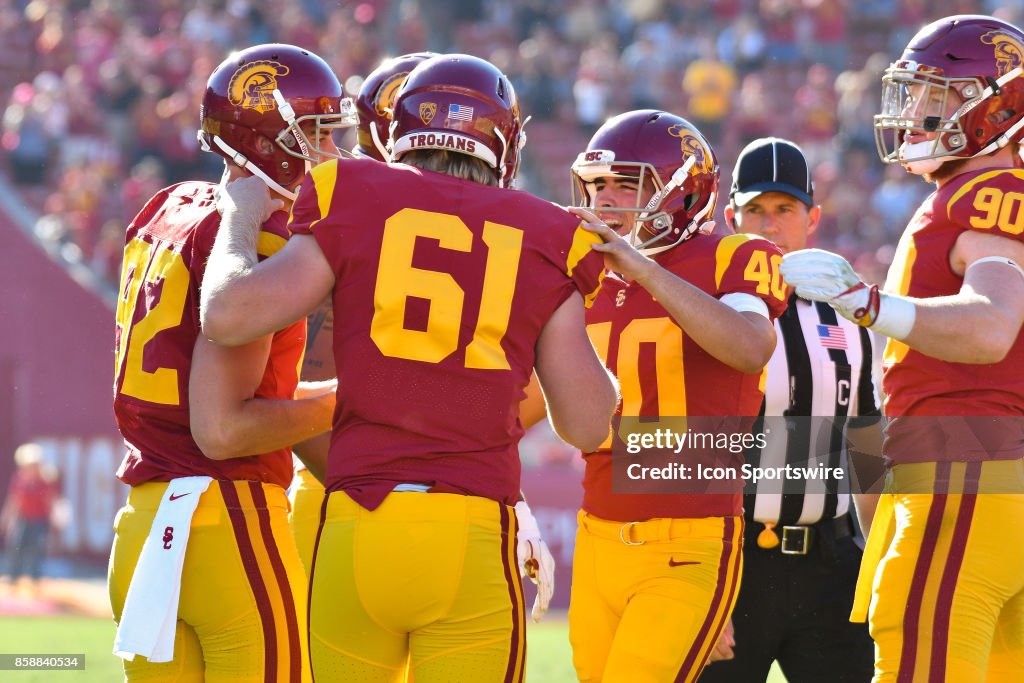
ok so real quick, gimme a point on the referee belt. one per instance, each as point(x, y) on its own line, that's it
point(800, 539)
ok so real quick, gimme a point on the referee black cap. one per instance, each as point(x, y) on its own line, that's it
point(771, 165)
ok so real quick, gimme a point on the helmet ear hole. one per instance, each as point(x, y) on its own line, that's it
point(263, 145)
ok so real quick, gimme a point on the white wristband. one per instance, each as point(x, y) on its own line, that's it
point(896, 315)
point(997, 259)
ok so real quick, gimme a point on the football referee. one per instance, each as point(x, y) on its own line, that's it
point(800, 559)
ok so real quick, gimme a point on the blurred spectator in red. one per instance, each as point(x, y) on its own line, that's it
point(32, 498)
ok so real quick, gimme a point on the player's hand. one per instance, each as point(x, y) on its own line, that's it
point(820, 275)
point(726, 642)
point(248, 201)
point(535, 560)
point(619, 255)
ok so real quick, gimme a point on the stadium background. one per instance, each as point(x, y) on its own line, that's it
point(99, 110)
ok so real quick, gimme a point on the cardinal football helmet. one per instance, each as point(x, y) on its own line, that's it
point(271, 91)
point(462, 104)
point(669, 150)
point(375, 99)
point(959, 83)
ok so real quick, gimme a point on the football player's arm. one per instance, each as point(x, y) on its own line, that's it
point(243, 300)
point(714, 325)
point(532, 409)
point(978, 325)
point(228, 422)
point(981, 322)
point(317, 367)
point(580, 394)
point(743, 340)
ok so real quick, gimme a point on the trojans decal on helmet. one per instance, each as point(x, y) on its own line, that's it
point(1009, 53)
point(690, 146)
point(252, 86)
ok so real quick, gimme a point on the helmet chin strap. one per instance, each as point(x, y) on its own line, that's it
point(241, 160)
point(677, 180)
point(695, 224)
point(382, 149)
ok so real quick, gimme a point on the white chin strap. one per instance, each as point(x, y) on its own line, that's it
point(382, 149)
point(241, 160)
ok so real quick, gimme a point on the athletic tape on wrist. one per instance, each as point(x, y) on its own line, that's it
point(896, 316)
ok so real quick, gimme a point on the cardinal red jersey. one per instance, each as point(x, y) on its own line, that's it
point(442, 288)
point(166, 250)
point(663, 372)
point(981, 405)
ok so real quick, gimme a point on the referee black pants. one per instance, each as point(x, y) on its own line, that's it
point(796, 609)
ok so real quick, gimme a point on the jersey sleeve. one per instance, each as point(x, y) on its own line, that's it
point(749, 264)
point(992, 201)
point(312, 206)
point(313, 199)
point(584, 265)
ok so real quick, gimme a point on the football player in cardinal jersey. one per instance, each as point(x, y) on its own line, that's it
point(448, 290)
point(208, 429)
point(941, 587)
point(373, 106)
point(684, 319)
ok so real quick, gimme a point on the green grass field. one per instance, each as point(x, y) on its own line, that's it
point(549, 659)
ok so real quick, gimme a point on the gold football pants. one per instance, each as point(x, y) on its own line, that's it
point(649, 599)
point(426, 582)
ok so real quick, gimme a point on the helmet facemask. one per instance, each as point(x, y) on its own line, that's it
point(294, 141)
point(652, 229)
point(919, 100)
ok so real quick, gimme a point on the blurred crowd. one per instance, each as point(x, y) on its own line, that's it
point(100, 97)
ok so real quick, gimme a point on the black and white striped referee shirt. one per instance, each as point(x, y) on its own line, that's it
point(821, 367)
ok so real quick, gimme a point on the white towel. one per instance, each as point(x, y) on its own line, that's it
point(150, 612)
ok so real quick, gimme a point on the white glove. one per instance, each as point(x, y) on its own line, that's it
point(535, 560)
point(820, 275)
point(247, 201)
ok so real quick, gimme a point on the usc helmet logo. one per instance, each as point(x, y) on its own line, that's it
point(690, 146)
point(1009, 52)
point(386, 93)
point(252, 85)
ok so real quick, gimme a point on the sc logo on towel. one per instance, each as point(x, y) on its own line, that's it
point(168, 537)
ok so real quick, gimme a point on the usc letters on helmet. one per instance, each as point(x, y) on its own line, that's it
point(959, 77)
point(270, 91)
point(669, 150)
point(375, 99)
point(462, 104)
